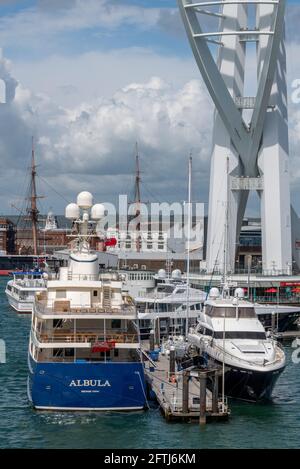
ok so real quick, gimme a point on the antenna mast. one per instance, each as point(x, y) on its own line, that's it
point(33, 210)
point(137, 198)
point(188, 246)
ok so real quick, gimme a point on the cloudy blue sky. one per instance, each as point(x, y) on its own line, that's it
point(95, 76)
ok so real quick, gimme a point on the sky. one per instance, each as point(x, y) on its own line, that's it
point(89, 78)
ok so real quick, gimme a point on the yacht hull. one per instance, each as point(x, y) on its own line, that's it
point(248, 385)
point(87, 386)
point(22, 307)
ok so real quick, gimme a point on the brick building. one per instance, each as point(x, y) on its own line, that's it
point(7, 236)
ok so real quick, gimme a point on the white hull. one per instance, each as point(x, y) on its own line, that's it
point(19, 306)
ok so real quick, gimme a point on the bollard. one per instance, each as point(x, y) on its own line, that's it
point(172, 362)
point(151, 339)
point(202, 378)
point(185, 391)
point(215, 394)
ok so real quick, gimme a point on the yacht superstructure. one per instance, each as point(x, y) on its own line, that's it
point(171, 302)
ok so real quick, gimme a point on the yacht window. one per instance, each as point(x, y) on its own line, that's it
point(69, 352)
point(61, 293)
point(240, 335)
point(58, 352)
point(208, 332)
point(180, 291)
point(57, 323)
point(220, 312)
point(116, 324)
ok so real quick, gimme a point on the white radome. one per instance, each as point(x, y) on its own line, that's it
point(85, 200)
point(72, 211)
point(176, 274)
point(239, 293)
point(162, 273)
point(97, 212)
point(214, 293)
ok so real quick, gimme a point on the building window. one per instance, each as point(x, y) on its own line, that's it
point(95, 293)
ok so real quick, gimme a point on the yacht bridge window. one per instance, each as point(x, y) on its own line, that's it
point(240, 335)
point(230, 312)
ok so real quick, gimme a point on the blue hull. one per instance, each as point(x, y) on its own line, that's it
point(87, 386)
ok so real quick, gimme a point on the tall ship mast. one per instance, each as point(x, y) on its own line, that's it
point(137, 199)
point(33, 210)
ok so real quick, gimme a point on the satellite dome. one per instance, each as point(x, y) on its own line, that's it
point(176, 274)
point(85, 200)
point(97, 212)
point(239, 293)
point(214, 293)
point(162, 273)
point(72, 211)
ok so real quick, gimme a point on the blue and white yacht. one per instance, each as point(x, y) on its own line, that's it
point(84, 349)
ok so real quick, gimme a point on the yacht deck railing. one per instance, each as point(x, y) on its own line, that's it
point(89, 337)
point(67, 309)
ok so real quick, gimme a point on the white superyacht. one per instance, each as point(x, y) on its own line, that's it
point(230, 335)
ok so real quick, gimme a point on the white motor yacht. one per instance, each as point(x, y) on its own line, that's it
point(230, 335)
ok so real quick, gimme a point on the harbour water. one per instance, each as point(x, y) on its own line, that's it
point(251, 426)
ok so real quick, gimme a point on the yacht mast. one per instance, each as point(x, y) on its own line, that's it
point(137, 198)
point(226, 229)
point(188, 247)
point(33, 210)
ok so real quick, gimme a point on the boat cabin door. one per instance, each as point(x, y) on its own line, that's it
point(95, 297)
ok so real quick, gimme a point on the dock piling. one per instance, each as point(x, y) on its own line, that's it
point(202, 379)
point(215, 393)
point(185, 392)
point(151, 340)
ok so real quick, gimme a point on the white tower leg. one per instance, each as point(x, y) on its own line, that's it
point(231, 64)
point(273, 164)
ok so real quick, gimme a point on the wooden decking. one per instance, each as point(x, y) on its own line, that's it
point(181, 401)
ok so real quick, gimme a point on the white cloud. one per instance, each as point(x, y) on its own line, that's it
point(92, 145)
point(70, 80)
point(49, 18)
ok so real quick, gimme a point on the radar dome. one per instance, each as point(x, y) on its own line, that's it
point(239, 293)
point(162, 273)
point(214, 293)
point(176, 274)
point(97, 212)
point(72, 211)
point(85, 200)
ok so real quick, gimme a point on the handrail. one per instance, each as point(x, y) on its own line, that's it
point(83, 337)
point(231, 2)
point(43, 308)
